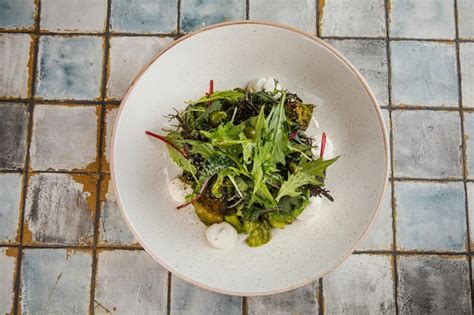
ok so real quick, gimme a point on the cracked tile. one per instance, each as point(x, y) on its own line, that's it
point(55, 281)
point(60, 209)
point(130, 282)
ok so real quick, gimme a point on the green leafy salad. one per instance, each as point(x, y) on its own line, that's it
point(247, 160)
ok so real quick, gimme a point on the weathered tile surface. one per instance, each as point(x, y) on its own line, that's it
point(8, 257)
point(130, 282)
point(73, 15)
point(380, 235)
point(465, 18)
point(431, 216)
point(197, 13)
point(112, 227)
point(64, 138)
point(466, 56)
point(470, 206)
point(144, 16)
point(370, 58)
point(189, 299)
point(17, 14)
point(424, 73)
point(14, 74)
point(433, 285)
point(55, 281)
point(352, 18)
point(10, 194)
point(469, 135)
point(363, 284)
point(422, 19)
point(299, 301)
point(297, 13)
point(13, 130)
point(110, 116)
point(69, 67)
point(426, 144)
point(128, 55)
point(60, 209)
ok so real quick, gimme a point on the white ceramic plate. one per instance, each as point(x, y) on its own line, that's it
point(232, 54)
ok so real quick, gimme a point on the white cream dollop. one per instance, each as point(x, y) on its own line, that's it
point(329, 151)
point(221, 235)
point(311, 210)
point(179, 190)
point(268, 84)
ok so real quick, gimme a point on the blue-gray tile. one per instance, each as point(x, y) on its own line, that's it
point(469, 136)
point(380, 236)
point(466, 56)
point(198, 13)
point(144, 16)
point(130, 282)
point(362, 284)
point(73, 16)
point(69, 67)
point(352, 18)
point(14, 65)
point(431, 216)
point(13, 130)
point(112, 227)
point(470, 206)
point(8, 257)
point(297, 13)
point(10, 197)
point(422, 19)
point(370, 58)
point(299, 301)
point(424, 73)
point(433, 285)
point(53, 128)
point(17, 14)
point(189, 299)
point(426, 144)
point(55, 281)
point(127, 57)
point(60, 209)
point(111, 112)
point(466, 18)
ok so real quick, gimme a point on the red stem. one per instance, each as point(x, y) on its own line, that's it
point(188, 203)
point(211, 90)
point(293, 135)
point(167, 142)
point(323, 145)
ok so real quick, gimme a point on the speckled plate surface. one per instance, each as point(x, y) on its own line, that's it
point(232, 54)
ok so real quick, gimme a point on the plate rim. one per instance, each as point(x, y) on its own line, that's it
point(345, 62)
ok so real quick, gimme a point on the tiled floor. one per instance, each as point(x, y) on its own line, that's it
point(65, 249)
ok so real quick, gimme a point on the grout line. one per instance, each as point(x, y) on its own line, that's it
point(409, 253)
point(433, 180)
point(247, 9)
point(105, 65)
point(34, 62)
point(316, 31)
point(392, 164)
point(60, 102)
point(95, 34)
point(320, 298)
point(424, 107)
point(463, 147)
point(15, 171)
point(178, 17)
point(245, 306)
point(168, 295)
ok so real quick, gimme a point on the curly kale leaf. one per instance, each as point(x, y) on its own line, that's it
point(231, 96)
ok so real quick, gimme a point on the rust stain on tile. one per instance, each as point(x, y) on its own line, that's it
point(27, 235)
point(12, 252)
point(322, 3)
point(89, 183)
point(389, 6)
point(72, 251)
point(104, 188)
point(30, 66)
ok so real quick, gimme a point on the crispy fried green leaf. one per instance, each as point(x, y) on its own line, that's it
point(231, 96)
point(259, 233)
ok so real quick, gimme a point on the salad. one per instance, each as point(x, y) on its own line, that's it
point(249, 165)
